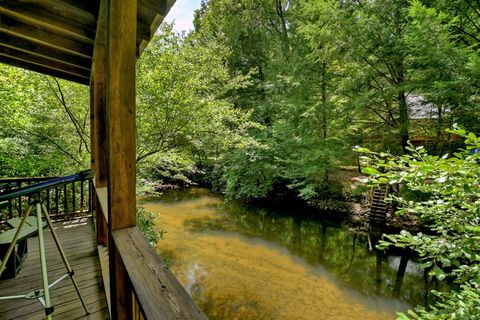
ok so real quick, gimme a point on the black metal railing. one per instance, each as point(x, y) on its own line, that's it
point(63, 196)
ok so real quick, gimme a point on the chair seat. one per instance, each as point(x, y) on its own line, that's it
point(19, 254)
point(29, 230)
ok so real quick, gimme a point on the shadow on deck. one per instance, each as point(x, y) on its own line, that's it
point(79, 243)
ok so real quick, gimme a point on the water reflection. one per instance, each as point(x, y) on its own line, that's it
point(243, 262)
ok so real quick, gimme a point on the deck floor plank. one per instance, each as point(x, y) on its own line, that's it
point(78, 241)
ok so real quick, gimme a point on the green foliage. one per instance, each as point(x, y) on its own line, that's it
point(146, 223)
point(249, 172)
point(292, 139)
point(268, 95)
point(165, 171)
point(311, 79)
point(450, 207)
point(184, 120)
point(180, 103)
point(443, 69)
point(44, 126)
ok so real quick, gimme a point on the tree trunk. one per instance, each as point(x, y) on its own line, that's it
point(400, 274)
point(403, 119)
point(439, 132)
point(281, 14)
point(324, 110)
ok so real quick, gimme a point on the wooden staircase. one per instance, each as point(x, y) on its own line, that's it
point(378, 207)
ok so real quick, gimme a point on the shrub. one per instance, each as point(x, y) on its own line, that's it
point(450, 207)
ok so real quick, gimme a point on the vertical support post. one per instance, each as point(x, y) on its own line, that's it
point(20, 211)
point(48, 200)
point(57, 204)
point(120, 88)
point(82, 207)
point(65, 199)
point(121, 58)
point(99, 113)
point(101, 227)
point(90, 195)
point(73, 198)
point(99, 124)
point(10, 206)
point(93, 133)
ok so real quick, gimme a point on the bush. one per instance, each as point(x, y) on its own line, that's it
point(450, 207)
point(146, 223)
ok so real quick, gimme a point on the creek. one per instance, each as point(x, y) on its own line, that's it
point(245, 262)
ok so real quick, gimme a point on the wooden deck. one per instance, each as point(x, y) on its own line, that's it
point(78, 240)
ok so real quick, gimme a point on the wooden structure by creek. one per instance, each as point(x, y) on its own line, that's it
point(379, 208)
point(96, 43)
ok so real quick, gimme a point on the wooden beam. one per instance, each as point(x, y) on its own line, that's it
point(45, 62)
point(39, 49)
point(90, 7)
point(44, 70)
point(99, 76)
point(93, 143)
point(157, 20)
point(84, 12)
point(155, 6)
point(143, 31)
point(121, 58)
point(145, 15)
point(33, 34)
point(150, 15)
point(45, 20)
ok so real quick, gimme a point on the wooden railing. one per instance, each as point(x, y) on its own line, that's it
point(74, 198)
point(147, 288)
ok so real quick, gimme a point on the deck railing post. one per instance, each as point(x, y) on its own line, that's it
point(82, 207)
point(56, 200)
point(90, 195)
point(65, 198)
point(20, 205)
point(48, 200)
point(73, 198)
point(10, 206)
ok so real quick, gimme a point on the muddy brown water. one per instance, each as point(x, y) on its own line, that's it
point(244, 262)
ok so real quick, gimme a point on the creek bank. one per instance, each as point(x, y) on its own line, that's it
point(344, 199)
point(352, 211)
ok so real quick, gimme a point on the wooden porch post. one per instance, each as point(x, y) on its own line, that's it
point(120, 85)
point(99, 127)
point(99, 144)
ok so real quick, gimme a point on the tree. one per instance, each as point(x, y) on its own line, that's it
point(380, 76)
point(45, 129)
point(444, 68)
point(182, 108)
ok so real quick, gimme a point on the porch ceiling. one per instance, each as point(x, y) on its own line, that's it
point(57, 37)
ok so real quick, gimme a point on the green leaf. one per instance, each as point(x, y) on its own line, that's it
point(439, 274)
point(369, 171)
point(426, 264)
point(445, 261)
point(362, 150)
